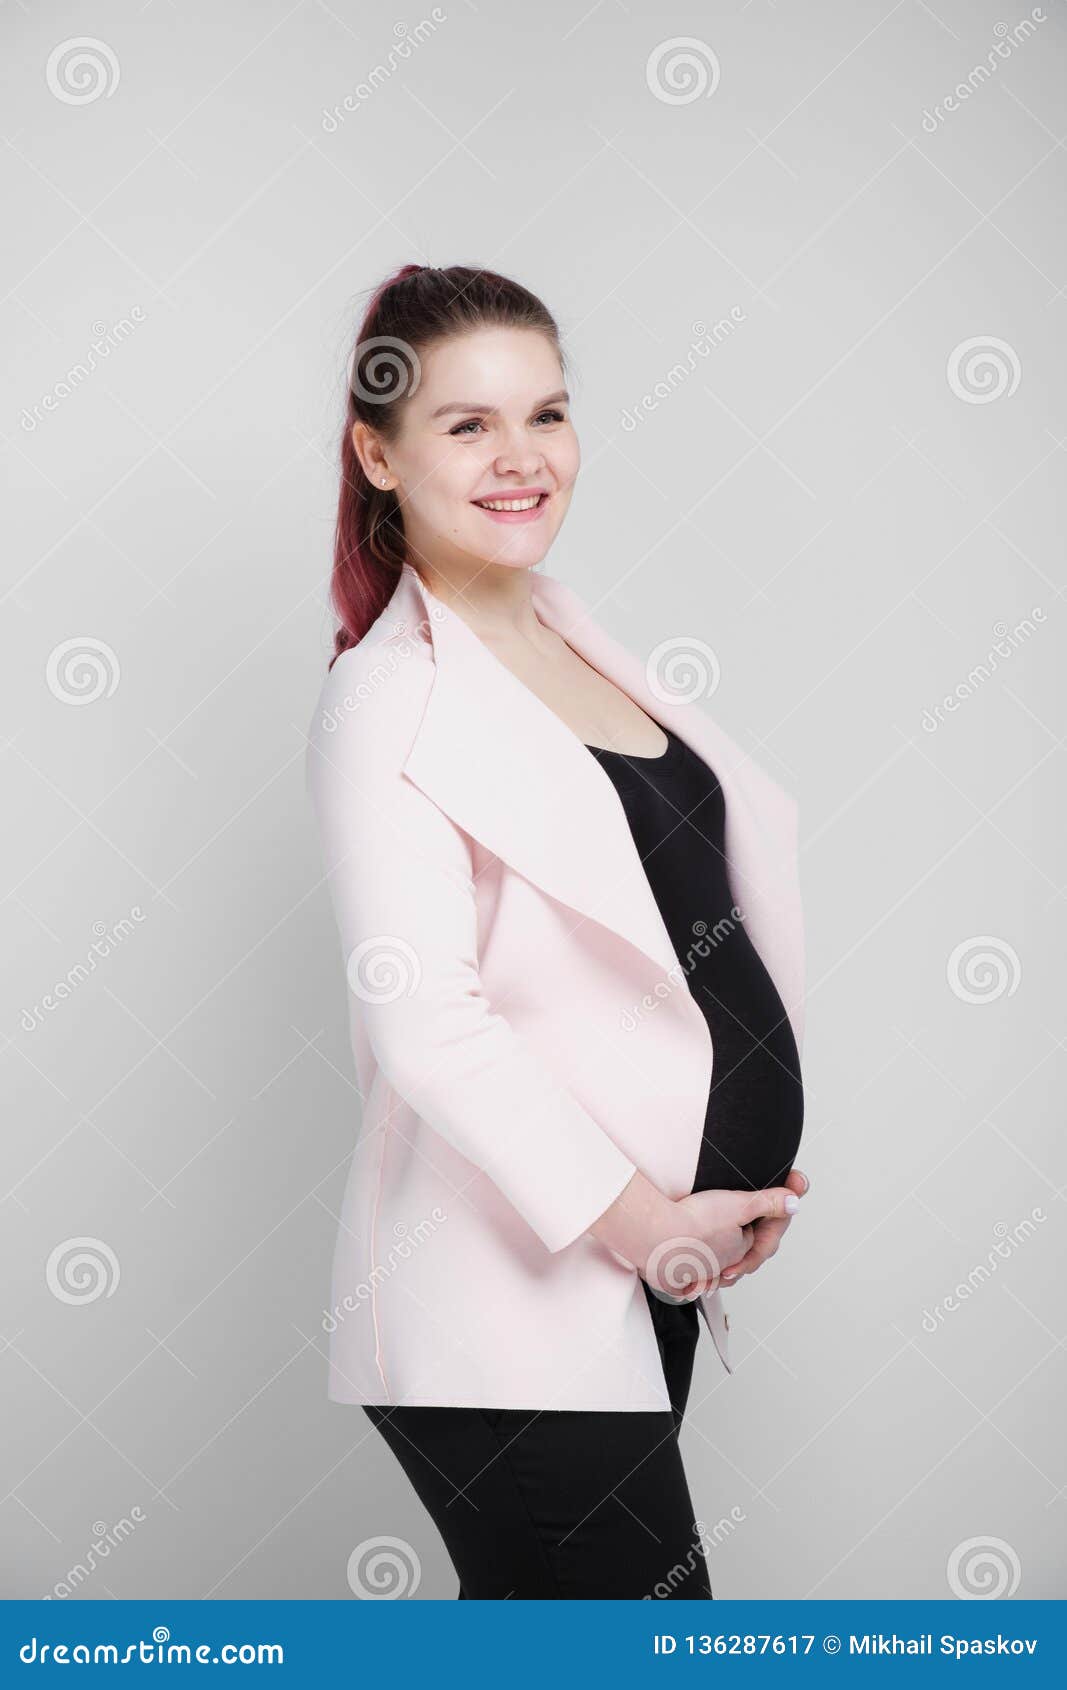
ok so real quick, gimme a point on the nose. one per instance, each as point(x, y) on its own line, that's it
point(519, 454)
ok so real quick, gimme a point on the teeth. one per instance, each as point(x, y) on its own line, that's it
point(509, 504)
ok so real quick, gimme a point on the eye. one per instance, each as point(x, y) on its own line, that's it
point(463, 427)
point(553, 416)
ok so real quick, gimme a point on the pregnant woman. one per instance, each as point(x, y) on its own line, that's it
point(570, 917)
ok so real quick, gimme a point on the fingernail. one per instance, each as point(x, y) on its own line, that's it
point(728, 1278)
point(792, 1203)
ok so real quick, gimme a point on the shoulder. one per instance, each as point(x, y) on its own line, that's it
point(371, 702)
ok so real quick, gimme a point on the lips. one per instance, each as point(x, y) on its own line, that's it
point(514, 508)
point(525, 499)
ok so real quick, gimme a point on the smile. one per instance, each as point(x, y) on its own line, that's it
point(511, 504)
point(513, 510)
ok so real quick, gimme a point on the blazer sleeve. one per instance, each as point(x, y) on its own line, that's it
point(399, 874)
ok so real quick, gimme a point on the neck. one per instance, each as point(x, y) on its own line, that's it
point(496, 601)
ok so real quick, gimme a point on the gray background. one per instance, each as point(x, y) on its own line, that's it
point(817, 500)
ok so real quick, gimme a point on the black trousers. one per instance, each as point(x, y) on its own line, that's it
point(562, 1503)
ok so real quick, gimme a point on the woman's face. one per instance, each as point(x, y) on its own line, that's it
point(488, 421)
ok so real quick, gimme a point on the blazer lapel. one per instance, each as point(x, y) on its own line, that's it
point(509, 772)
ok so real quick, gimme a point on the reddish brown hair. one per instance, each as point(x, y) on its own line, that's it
point(408, 313)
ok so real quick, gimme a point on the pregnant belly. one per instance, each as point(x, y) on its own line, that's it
point(755, 1106)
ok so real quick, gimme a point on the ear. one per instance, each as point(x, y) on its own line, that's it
point(368, 450)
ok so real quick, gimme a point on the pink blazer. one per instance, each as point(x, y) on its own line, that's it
point(523, 1033)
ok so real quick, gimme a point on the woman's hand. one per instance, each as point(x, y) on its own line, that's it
point(712, 1233)
point(767, 1234)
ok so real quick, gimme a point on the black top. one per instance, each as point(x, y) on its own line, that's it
point(755, 1106)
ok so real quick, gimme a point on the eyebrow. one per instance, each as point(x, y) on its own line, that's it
point(479, 405)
